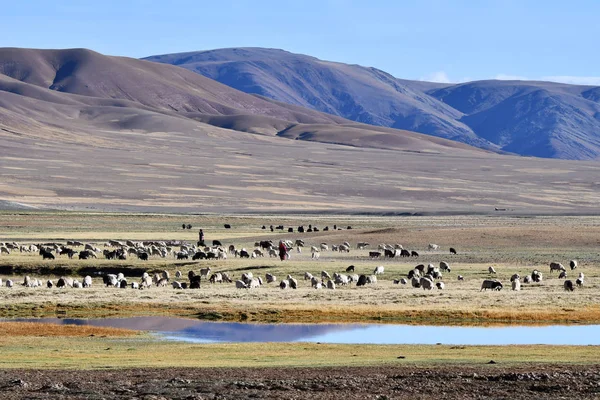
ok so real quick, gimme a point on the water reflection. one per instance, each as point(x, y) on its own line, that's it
point(195, 331)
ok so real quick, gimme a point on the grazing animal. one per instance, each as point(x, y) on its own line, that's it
point(573, 264)
point(292, 282)
point(404, 253)
point(49, 283)
point(350, 268)
point(379, 270)
point(414, 254)
point(362, 245)
point(568, 285)
point(452, 250)
point(204, 272)
point(362, 280)
point(516, 284)
point(433, 246)
point(178, 274)
point(308, 276)
point(527, 279)
point(461, 278)
point(226, 277)
point(241, 285)
point(87, 281)
point(515, 277)
point(490, 284)
point(135, 285)
point(374, 254)
point(563, 275)
point(579, 282)
point(444, 266)
point(9, 283)
point(403, 281)
point(216, 277)
point(108, 279)
point(217, 243)
point(46, 255)
point(426, 283)
point(440, 285)
point(491, 270)
point(325, 275)
point(284, 284)
point(272, 278)
point(554, 266)
point(331, 285)
point(415, 282)
point(536, 276)
point(414, 273)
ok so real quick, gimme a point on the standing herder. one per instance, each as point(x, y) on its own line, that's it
point(200, 238)
point(282, 250)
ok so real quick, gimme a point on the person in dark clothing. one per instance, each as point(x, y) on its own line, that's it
point(200, 238)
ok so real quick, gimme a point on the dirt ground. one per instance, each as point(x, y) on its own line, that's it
point(405, 382)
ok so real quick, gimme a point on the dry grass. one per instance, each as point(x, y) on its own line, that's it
point(102, 353)
point(20, 329)
point(512, 245)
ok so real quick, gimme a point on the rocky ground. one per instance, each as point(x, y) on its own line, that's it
point(404, 382)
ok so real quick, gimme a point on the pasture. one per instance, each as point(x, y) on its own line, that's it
point(509, 244)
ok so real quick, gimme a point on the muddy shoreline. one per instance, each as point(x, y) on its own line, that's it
point(449, 381)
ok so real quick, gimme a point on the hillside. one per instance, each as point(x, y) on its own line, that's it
point(80, 130)
point(539, 119)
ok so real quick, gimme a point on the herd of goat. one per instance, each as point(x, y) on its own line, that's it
point(425, 277)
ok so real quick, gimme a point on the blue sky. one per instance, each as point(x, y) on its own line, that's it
point(434, 40)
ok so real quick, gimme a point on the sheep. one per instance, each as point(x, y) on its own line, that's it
point(362, 280)
point(87, 281)
point(314, 282)
point(378, 270)
point(579, 282)
point(323, 247)
point(318, 285)
point(135, 285)
point(491, 284)
point(350, 268)
point(413, 273)
point(76, 284)
point(444, 266)
point(4, 249)
point(516, 284)
point(9, 283)
point(581, 276)
point(49, 283)
point(178, 274)
point(527, 279)
point(254, 283)
point(573, 264)
point(460, 278)
point(204, 272)
point(64, 282)
point(415, 282)
point(162, 282)
point(274, 253)
point(339, 279)
point(491, 270)
point(308, 276)
point(344, 248)
point(120, 276)
point(27, 281)
point(371, 279)
point(292, 282)
point(216, 277)
point(452, 250)
point(257, 253)
point(272, 278)
point(433, 246)
point(426, 284)
point(362, 245)
point(374, 254)
point(334, 247)
point(284, 284)
point(325, 275)
point(396, 281)
point(562, 275)
point(440, 285)
point(226, 277)
point(536, 276)
point(241, 285)
point(515, 277)
point(330, 285)
point(554, 266)
point(403, 281)
point(568, 285)
point(247, 277)
point(123, 284)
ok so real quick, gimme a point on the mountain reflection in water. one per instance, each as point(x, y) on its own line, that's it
point(195, 331)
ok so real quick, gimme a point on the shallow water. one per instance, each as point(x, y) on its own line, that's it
point(189, 330)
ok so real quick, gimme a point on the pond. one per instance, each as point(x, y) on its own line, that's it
point(195, 331)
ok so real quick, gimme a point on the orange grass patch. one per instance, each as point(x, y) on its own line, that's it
point(47, 330)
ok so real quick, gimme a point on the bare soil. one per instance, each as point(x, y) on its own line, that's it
point(405, 382)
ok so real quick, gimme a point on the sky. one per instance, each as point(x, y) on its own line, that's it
point(446, 41)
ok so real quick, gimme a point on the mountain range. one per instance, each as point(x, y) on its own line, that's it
point(85, 131)
point(541, 119)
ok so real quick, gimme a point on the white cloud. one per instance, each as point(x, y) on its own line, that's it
point(439, 76)
point(574, 80)
point(506, 77)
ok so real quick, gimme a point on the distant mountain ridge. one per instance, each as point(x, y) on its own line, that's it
point(542, 119)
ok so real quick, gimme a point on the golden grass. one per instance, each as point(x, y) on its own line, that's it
point(21, 329)
point(102, 353)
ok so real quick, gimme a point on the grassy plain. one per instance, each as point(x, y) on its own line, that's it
point(510, 244)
